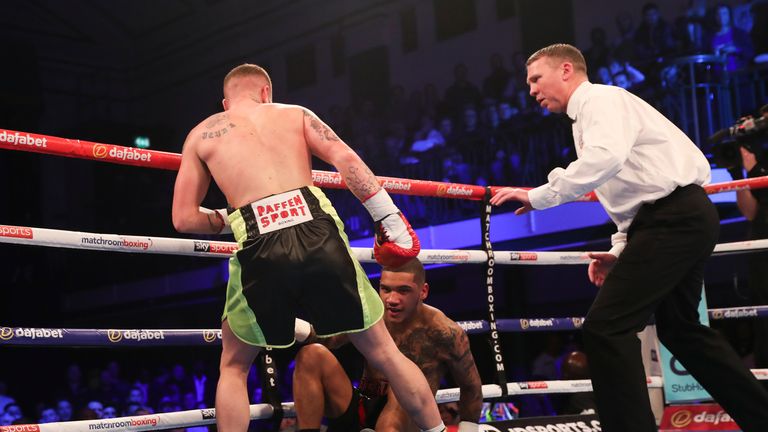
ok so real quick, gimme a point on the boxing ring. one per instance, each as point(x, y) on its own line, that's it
point(106, 338)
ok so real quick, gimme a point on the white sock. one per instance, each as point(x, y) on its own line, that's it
point(438, 428)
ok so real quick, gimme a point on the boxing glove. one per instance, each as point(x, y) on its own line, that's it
point(395, 242)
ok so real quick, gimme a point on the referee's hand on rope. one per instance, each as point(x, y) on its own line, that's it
point(600, 266)
point(513, 194)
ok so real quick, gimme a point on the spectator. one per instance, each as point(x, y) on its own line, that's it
point(14, 410)
point(75, 389)
point(546, 365)
point(455, 170)
point(432, 103)
point(633, 75)
point(415, 109)
point(168, 404)
point(427, 137)
point(604, 76)
point(490, 114)
point(204, 388)
point(624, 45)
point(576, 367)
point(500, 168)
point(597, 54)
point(142, 382)
point(109, 412)
point(446, 129)
point(495, 83)
point(131, 409)
point(97, 408)
point(462, 92)
point(4, 398)
point(394, 148)
point(653, 39)
point(108, 391)
point(689, 31)
point(180, 381)
point(118, 384)
point(87, 414)
point(188, 401)
point(731, 42)
point(144, 411)
point(620, 79)
point(6, 419)
point(472, 136)
point(136, 396)
point(64, 409)
point(519, 75)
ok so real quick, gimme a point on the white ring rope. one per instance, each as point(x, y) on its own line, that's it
point(200, 417)
point(263, 411)
point(218, 249)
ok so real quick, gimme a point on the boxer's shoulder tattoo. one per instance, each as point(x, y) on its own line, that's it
point(221, 123)
point(430, 347)
point(216, 120)
point(324, 132)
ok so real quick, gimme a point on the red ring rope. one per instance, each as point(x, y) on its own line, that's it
point(74, 148)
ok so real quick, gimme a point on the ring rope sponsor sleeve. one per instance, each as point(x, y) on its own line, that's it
point(16, 336)
point(219, 249)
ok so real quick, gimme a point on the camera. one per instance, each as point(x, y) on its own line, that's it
point(748, 132)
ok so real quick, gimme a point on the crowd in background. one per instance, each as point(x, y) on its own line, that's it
point(490, 131)
point(487, 131)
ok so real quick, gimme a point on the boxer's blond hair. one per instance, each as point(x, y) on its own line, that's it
point(246, 70)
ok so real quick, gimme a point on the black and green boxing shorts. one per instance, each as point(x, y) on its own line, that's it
point(294, 255)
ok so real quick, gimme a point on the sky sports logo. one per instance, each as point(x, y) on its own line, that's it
point(212, 247)
point(15, 232)
point(20, 428)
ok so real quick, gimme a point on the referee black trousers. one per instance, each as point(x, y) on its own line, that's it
point(661, 272)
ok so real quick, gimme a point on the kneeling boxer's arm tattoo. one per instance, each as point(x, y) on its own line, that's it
point(464, 372)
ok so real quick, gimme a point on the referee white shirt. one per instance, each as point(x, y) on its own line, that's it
point(628, 153)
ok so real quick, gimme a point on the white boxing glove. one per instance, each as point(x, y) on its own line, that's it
point(465, 426)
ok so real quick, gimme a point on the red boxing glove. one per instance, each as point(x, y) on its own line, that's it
point(396, 243)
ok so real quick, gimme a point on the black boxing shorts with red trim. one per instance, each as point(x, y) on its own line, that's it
point(295, 255)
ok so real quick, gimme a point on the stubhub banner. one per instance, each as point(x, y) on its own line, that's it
point(679, 385)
